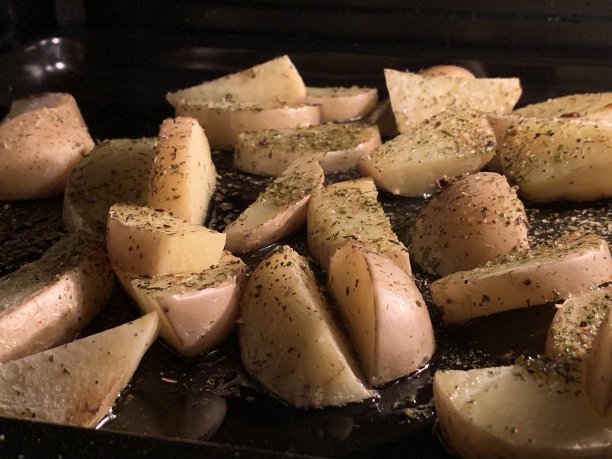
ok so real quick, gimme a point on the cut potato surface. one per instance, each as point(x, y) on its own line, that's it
point(593, 106)
point(276, 80)
point(278, 211)
point(288, 339)
point(575, 324)
point(526, 411)
point(196, 310)
point(384, 119)
point(476, 219)
point(114, 171)
point(451, 143)
point(598, 372)
point(349, 211)
point(48, 302)
point(559, 159)
point(41, 140)
point(384, 311)
point(183, 175)
point(148, 242)
point(340, 104)
point(551, 272)
point(415, 98)
point(447, 70)
point(76, 383)
point(336, 147)
point(224, 121)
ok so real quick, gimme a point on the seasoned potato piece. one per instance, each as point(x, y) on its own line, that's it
point(337, 147)
point(77, 383)
point(48, 302)
point(383, 117)
point(278, 211)
point(598, 372)
point(475, 220)
point(547, 273)
point(349, 211)
point(384, 312)
point(528, 411)
point(593, 106)
point(145, 241)
point(115, 171)
point(447, 70)
point(415, 98)
point(288, 339)
point(196, 310)
point(450, 143)
point(41, 140)
point(559, 159)
point(500, 125)
point(342, 103)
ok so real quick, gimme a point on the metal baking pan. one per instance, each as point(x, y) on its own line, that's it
point(208, 405)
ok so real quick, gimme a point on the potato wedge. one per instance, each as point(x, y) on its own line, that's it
point(196, 310)
point(559, 159)
point(592, 106)
point(447, 70)
point(48, 302)
point(526, 411)
point(278, 211)
point(598, 372)
point(183, 176)
point(340, 104)
point(500, 125)
point(77, 383)
point(224, 121)
point(449, 144)
point(288, 339)
point(336, 147)
point(546, 273)
point(383, 117)
point(275, 80)
point(349, 211)
point(114, 171)
point(415, 98)
point(384, 311)
point(474, 220)
point(148, 242)
point(41, 140)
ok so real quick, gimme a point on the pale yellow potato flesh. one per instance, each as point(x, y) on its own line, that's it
point(196, 310)
point(546, 273)
point(114, 171)
point(41, 140)
point(349, 211)
point(447, 70)
point(415, 98)
point(278, 211)
point(144, 241)
point(336, 147)
point(276, 80)
point(559, 159)
point(500, 125)
point(598, 372)
point(77, 383)
point(383, 310)
point(474, 220)
point(183, 176)
point(48, 302)
point(518, 411)
point(288, 339)
point(339, 104)
point(592, 106)
point(451, 143)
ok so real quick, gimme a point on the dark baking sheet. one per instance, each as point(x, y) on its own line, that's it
point(177, 403)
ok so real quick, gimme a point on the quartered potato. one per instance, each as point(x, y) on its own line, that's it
point(48, 302)
point(183, 176)
point(598, 372)
point(114, 171)
point(41, 140)
point(556, 159)
point(196, 310)
point(278, 211)
point(449, 144)
point(533, 410)
point(592, 106)
point(415, 98)
point(288, 339)
point(546, 273)
point(336, 147)
point(76, 383)
point(384, 312)
point(474, 220)
point(384, 119)
point(339, 104)
point(349, 211)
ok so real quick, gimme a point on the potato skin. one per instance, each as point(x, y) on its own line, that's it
point(447, 70)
